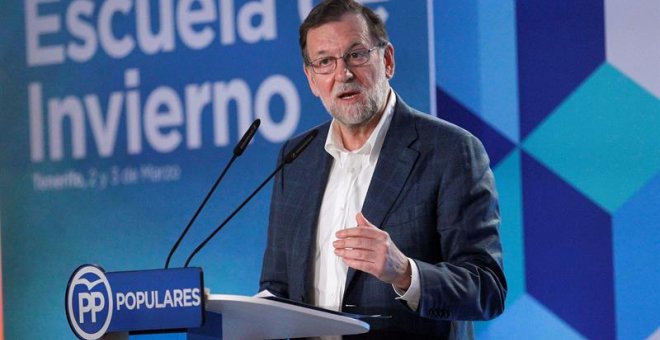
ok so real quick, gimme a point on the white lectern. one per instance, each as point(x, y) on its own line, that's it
point(247, 317)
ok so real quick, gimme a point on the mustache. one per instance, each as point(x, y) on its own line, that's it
point(347, 87)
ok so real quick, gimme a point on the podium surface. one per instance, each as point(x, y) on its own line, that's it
point(247, 317)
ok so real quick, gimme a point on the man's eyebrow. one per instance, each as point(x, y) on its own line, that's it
point(321, 53)
point(324, 53)
point(355, 44)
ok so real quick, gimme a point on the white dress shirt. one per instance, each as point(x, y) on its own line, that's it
point(346, 189)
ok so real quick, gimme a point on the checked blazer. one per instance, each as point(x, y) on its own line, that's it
point(434, 193)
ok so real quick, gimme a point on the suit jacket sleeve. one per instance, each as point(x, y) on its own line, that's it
point(468, 282)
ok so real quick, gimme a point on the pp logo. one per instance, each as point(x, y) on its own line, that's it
point(89, 302)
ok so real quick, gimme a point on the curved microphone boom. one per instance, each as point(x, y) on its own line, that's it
point(238, 150)
point(290, 157)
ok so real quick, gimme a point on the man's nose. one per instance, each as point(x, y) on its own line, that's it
point(343, 71)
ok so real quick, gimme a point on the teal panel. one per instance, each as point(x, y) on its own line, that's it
point(636, 240)
point(508, 177)
point(528, 319)
point(603, 139)
point(499, 76)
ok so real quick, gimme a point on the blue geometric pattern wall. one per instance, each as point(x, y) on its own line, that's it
point(565, 96)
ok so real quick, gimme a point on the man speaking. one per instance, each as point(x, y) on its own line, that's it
point(389, 211)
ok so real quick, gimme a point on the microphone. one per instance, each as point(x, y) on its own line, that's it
point(290, 157)
point(238, 150)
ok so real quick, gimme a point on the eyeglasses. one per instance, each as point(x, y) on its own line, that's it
point(327, 65)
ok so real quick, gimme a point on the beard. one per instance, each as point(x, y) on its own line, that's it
point(357, 114)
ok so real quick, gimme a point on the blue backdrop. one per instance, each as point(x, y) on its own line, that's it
point(116, 117)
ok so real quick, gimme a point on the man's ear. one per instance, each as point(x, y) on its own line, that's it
point(311, 80)
point(388, 58)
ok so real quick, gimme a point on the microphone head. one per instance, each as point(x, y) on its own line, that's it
point(298, 149)
point(247, 138)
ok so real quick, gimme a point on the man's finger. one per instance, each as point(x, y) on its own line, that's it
point(354, 243)
point(363, 231)
point(361, 220)
point(355, 254)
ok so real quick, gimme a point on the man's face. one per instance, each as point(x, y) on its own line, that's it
point(352, 94)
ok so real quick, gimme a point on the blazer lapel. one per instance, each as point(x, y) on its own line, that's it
point(395, 163)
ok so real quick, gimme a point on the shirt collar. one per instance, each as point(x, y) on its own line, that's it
point(335, 147)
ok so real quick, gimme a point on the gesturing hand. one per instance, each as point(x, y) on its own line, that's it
point(371, 250)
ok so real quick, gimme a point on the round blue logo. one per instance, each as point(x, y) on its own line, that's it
point(89, 302)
